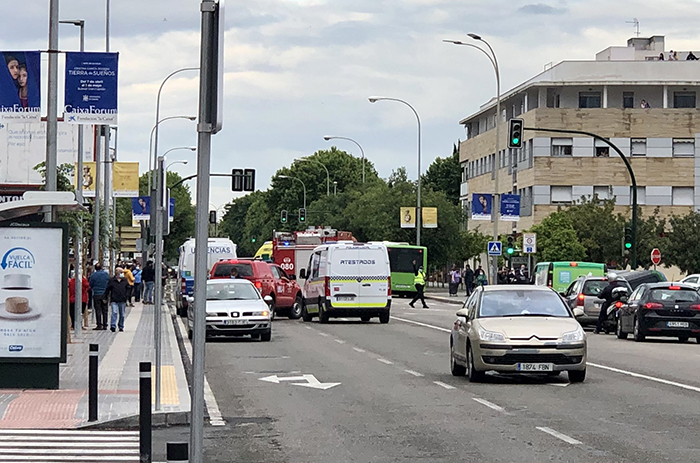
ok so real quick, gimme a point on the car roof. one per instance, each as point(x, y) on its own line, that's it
point(221, 281)
point(666, 284)
point(517, 287)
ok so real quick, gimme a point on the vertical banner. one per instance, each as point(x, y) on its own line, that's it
point(125, 178)
point(429, 217)
point(408, 217)
point(481, 206)
point(20, 87)
point(171, 210)
point(86, 178)
point(141, 208)
point(91, 88)
point(510, 208)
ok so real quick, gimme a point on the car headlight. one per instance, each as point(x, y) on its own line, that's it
point(264, 313)
point(490, 335)
point(573, 336)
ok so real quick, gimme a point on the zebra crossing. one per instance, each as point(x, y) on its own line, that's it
point(62, 446)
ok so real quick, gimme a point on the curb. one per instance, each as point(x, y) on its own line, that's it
point(159, 420)
point(447, 300)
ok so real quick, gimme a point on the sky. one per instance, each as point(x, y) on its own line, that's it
point(296, 70)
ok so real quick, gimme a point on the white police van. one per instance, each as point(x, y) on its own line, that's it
point(347, 279)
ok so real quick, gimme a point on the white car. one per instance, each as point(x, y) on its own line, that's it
point(234, 308)
point(692, 280)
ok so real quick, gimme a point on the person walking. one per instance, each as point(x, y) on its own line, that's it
point(137, 272)
point(419, 283)
point(455, 280)
point(72, 288)
point(468, 280)
point(98, 284)
point(129, 277)
point(481, 277)
point(117, 290)
point(149, 278)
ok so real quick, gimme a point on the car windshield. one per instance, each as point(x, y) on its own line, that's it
point(224, 270)
point(593, 287)
point(232, 292)
point(522, 303)
point(674, 295)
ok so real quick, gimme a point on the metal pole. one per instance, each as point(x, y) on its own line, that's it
point(107, 187)
point(107, 26)
point(159, 269)
point(495, 208)
point(145, 432)
point(114, 201)
point(52, 106)
point(78, 315)
point(92, 382)
point(97, 256)
point(327, 138)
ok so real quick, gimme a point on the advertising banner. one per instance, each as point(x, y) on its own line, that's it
point(408, 217)
point(125, 179)
point(429, 217)
point(481, 206)
point(510, 208)
point(87, 178)
point(91, 88)
point(141, 209)
point(33, 287)
point(20, 87)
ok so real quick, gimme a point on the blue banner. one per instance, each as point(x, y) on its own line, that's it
point(510, 208)
point(481, 206)
point(171, 210)
point(141, 208)
point(91, 88)
point(20, 87)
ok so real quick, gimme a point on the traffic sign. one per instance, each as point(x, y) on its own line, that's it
point(529, 243)
point(495, 248)
point(655, 256)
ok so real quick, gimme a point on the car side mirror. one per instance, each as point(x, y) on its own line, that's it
point(464, 313)
point(578, 312)
point(268, 299)
point(563, 294)
point(302, 274)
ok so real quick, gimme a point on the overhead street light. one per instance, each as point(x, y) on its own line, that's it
point(328, 175)
point(150, 145)
point(300, 181)
point(329, 137)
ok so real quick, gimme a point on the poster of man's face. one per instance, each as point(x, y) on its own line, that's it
point(20, 78)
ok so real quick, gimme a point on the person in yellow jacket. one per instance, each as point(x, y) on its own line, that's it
point(419, 283)
point(130, 281)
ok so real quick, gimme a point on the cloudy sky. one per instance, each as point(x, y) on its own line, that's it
point(297, 70)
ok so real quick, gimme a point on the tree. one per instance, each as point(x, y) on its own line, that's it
point(557, 240)
point(445, 175)
point(597, 228)
point(681, 247)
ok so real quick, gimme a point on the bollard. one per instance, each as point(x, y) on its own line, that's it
point(177, 451)
point(145, 437)
point(92, 382)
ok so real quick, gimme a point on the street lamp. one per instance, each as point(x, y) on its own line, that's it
point(302, 184)
point(335, 188)
point(374, 99)
point(329, 137)
point(150, 145)
point(172, 164)
point(328, 175)
point(496, 164)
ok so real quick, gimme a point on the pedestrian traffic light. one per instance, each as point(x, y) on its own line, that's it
point(515, 133)
point(283, 217)
point(510, 246)
point(302, 215)
point(629, 238)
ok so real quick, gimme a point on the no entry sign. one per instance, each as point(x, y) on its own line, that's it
point(656, 256)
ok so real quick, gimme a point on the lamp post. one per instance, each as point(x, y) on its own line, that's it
point(329, 137)
point(335, 188)
point(299, 180)
point(150, 145)
point(496, 164)
point(172, 164)
point(328, 175)
point(374, 99)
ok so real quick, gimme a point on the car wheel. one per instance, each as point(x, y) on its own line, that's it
point(189, 334)
point(295, 311)
point(365, 318)
point(455, 368)
point(474, 375)
point(620, 334)
point(322, 314)
point(683, 338)
point(384, 316)
point(638, 334)
point(305, 315)
point(273, 308)
point(697, 339)
point(577, 376)
point(266, 336)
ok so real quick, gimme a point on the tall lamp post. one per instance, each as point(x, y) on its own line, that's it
point(496, 164)
point(300, 181)
point(374, 99)
point(329, 137)
point(328, 175)
point(150, 144)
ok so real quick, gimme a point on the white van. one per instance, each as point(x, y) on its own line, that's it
point(347, 279)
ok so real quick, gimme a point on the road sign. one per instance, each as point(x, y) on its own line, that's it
point(655, 256)
point(495, 248)
point(529, 243)
point(302, 380)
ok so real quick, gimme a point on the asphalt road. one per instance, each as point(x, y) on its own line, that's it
point(398, 402)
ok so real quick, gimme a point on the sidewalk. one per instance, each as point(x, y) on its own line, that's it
point(437, 293)
point(119, 354)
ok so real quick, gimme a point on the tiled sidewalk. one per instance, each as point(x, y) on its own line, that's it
point(120, 354)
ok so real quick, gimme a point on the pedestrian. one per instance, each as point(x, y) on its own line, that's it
point(455, 280)
point(468, 279)
point(117, 290)
point(661, 56)
point(481, 279)
point(72, 288)
point(138, 279)
point(419, 283)
point(691, 57)
point(645, 104)
point(129, 276)
point(149, 277)
point(98, 284)
point(523, 275)
point(164, 274)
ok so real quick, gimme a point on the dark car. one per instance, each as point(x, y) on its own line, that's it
point(661, 309)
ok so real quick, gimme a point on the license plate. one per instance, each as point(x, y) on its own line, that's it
point(235, 322)
point(535, 366)
point(677, 324)
point(345, 298)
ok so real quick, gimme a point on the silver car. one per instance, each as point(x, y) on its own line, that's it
point(582, 297)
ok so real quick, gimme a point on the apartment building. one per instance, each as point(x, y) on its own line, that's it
point(646, 106)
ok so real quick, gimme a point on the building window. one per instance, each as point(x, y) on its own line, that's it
point(561, 195)
point(603, 192)
point(683, 196)
point(562, 146)
point(638, 147)
point(684, 147)
point(683, 99)
point(628, 100)
point(602, 151)
point(641, 195)
point(589, 100)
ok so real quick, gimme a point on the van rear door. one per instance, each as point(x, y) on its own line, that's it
point(373, 263)
point(344, 276)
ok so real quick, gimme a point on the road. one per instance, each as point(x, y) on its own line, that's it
point(397, 401)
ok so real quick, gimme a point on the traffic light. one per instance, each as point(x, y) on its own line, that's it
point(236, 179)
point(510, 246)
point(515, 133)
point(252, 240)
point(302, 215)
point(283, 217)
point(629, 238)
point(212, 216)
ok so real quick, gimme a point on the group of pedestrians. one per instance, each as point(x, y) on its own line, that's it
point(470, 278)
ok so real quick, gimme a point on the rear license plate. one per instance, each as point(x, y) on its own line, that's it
point(235, 322)
point(677, 324)
point(345, 298)
point(535, 366)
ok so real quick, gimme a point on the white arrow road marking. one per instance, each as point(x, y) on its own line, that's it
point(311, 381)
point(558, 435)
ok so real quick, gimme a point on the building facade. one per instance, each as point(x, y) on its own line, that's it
point(645, 106)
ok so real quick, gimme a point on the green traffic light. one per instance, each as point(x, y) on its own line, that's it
point(516, 141)
point(628, 245)
point(510, 250)
point(253, 240)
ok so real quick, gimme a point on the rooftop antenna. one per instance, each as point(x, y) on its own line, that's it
point(634, 21)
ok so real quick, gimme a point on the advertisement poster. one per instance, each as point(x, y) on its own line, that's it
point(125, 179)
point(141, 209)
point(20, 87)
point(31, 292)
point(481, 206)
point(408, 217)
point(429, 216)
point(87, 178)
point(510, 207)
point(91, 88)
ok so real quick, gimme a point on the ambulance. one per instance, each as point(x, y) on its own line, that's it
point(347, 279)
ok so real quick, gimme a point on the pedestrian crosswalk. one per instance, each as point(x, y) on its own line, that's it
point(62, 446)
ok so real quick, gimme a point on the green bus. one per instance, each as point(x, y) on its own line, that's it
point(401, 257)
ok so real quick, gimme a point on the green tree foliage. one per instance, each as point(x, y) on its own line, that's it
point(597, 228)
point(445, 174)
point(683, 239)
point(650, 235)
point(557, 240)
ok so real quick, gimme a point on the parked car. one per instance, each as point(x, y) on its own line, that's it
point(270, 280)
point(661, 309)
point(234, 308)
point(638, 277)
point(582, 298)
point(692, 280)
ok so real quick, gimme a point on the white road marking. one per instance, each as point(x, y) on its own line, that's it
point(343, 319)
point(558, 435)
point(441, 384)
point(405, 320)
point(491, 405)
point(325, 335)
point(311, 381)
point(308, 327)
point(650, 378)
point(414, 373)
point(388, 362)
point(340, 341)
point(358, 349)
